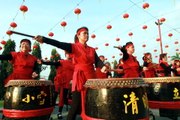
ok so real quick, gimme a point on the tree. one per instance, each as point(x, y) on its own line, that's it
point(37, 52)
point(6, 66)
point(115, 67)
point(176, 57)
point(55, 57)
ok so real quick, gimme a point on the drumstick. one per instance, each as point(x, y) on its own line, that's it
point(18, 33)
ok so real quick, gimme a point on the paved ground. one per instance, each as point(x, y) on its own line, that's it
point(65, 112)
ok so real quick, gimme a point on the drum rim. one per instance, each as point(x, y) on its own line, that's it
point(162, 79)
point(28, 82)
point(115, 83)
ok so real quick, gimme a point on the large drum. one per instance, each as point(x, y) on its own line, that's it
point(164, 94)
point(116, 99)
point(28, 100)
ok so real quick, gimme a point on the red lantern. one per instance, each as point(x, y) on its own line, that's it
point(145, 5)
point(24, 8)
point(126, 15)
point(0, 48)
point(144, 27)
point(9, 32)
point(177, 49)
point(96, 48)
point(63, 24)
point(13, 25)
point(51, 34)
point(130, 34)
point(35, 47)
point(143, 45)
point(157, 39)
point(170, 34)
point(93, 36)
point(156, 56)
point(45, 58)
point(120, 54)
point(113, 56)
point(107, 44)
point(155, 50)
point(109, 27)
point(169, 56)
point(166, 46)
point(77, 11)
point(3, 42)
point(117, 39)
point(162, 20)
point(176, 42)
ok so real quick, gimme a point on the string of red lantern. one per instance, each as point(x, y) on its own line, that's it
point(117, 39)
point(51, 34)
point(63, 24)
point(77, 11)
point(109, 27)
point(3, 42)
point(126, 16)
point(13, 25)
point(145, 5)
point(93, 36)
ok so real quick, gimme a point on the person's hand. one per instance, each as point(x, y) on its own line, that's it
point(34, 75)
point(178, 69)
point(39, 61)
point(104, 69)
point(145, 68)
point(118, 47)
point(39, 38)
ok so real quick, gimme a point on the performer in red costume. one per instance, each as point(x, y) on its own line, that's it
point(131, 66)
point(24, 64)
point(84, 59)
point(164, 69)
point(100, 74)
point(176, 67)
point(149, 68)
point(64, 74)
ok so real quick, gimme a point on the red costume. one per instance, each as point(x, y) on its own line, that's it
point(23, 66)
point(131, 67)
point(164, 69)
point(99, 74)
point(64, 74)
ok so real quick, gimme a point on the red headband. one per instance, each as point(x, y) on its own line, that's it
point(129, 45)
point(82, 29)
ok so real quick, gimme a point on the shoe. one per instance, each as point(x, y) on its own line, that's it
point(59, 116)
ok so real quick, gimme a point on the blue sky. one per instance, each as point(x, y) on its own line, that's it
point(45, 16)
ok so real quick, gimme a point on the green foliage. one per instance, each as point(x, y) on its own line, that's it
point(55, 57)
point(5, 66)
point(115, 67)
point(176, 57)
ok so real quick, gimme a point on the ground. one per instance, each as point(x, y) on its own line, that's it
point(65, 112)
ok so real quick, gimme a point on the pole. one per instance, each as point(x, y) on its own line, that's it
point(160, 37)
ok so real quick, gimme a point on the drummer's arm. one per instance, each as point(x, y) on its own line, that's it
point(100, 64)
point(6, 57)
point(56, 43)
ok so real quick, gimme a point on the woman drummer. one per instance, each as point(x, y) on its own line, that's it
point(131, 66)
point(84, 59)
point(24, 64)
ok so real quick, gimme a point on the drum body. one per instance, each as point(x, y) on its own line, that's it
point(164, 94)
point(116, 99)
point(28, 100)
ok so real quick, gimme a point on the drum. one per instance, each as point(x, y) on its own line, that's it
point(116, 99)
point(164, 94)
point(28, 100)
